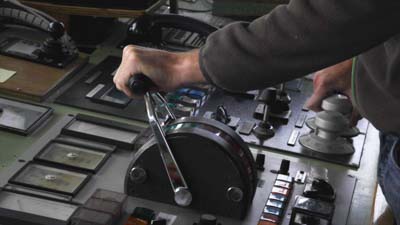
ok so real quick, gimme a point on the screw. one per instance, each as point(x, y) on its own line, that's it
point(138, 175)
point(235, 194)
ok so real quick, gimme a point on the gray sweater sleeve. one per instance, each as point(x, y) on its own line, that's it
point(294, 40)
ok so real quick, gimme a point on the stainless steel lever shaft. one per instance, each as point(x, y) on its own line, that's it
point(182, 194)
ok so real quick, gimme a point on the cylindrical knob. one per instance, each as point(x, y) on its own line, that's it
point(260, 161)
point(207, 219)
point(285, 166)
point(331, 121)
point(338, 103)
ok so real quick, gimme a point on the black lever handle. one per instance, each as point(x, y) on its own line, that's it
point(140, 84)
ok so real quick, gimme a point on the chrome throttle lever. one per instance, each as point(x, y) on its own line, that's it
point(142, 85)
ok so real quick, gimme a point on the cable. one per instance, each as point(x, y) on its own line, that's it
point(32, 10)
point(211, 2)
point(24, 14)
point(24, 17)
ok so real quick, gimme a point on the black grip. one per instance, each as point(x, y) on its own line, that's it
point(140, 84)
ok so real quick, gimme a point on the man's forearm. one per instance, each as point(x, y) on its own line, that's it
point(189, 68)
point(294, 40)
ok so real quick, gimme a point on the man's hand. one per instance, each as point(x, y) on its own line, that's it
point(166, 69)
point(336, 78)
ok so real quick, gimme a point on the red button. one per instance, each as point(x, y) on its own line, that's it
point(270, 218)
point(282, 191)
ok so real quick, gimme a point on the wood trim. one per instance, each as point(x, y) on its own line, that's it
point(90, 11)
point(36, 81)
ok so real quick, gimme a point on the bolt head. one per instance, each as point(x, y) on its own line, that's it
point(138, 175)
point(235, 194)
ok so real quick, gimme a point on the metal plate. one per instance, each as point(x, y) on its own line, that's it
point(50, 179)
point(73, 156)
point(109, 95)
point(102, 130)
point(115, 96)
point(17, 207)
point(21, 117)
point(84, 142)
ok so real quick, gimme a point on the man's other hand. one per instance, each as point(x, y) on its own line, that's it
point(336, 78)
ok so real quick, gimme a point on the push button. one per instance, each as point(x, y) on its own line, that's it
point(273, 211)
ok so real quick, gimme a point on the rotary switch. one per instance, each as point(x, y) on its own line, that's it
point(326, 138)
point(337, 103)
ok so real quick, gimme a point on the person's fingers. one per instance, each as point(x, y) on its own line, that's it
point(321, 91)
point(125, 70)
point(315, 101)
point(121, 79)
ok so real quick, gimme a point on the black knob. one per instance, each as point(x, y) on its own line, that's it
point(56, 30)
point(207, 219)
point(140, 84)
point(284, 168)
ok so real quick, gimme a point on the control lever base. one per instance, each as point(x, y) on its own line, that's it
point(348, 133)
point(339, 146)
